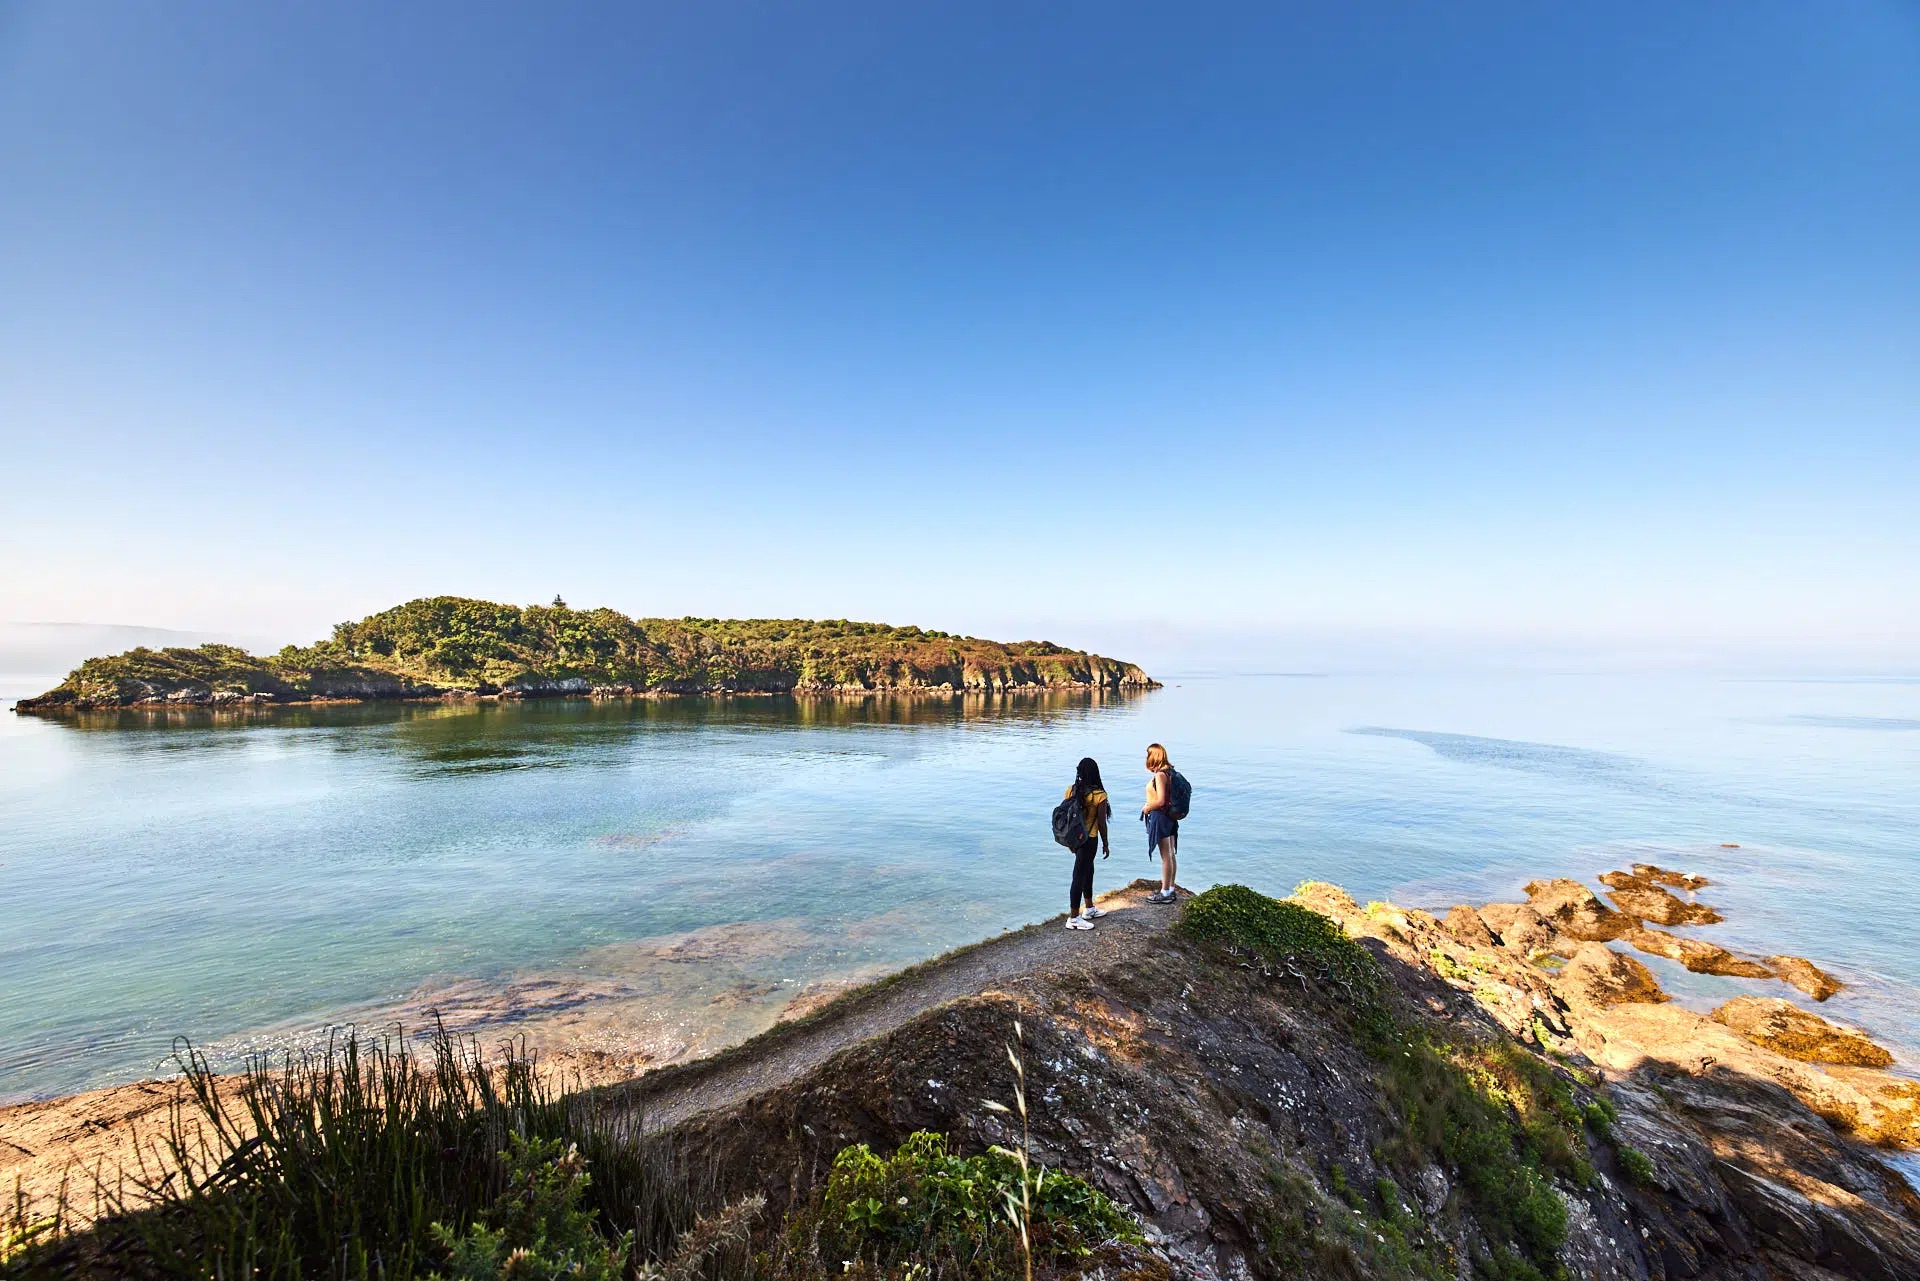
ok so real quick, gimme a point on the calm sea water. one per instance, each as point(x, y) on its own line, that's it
point(650, 869)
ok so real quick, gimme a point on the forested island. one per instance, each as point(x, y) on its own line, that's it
point(453, 647)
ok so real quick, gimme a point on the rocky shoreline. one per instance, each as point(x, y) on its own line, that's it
point(58, 702)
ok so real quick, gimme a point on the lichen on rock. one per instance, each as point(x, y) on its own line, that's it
point(1575, 911)
point(1697, 955)
point(1640, 896)
point(1785, 1028)
point(1806, 976)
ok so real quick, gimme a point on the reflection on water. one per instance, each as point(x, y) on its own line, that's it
point(652, 878)
point(485, 734)
point(529, 715)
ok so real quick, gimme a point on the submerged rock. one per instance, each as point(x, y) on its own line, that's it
point(1639, 896)
point(1786, 1029)
point(1575, 911)
point(1678, 880)
point(1805, 975)
point(1698, 956)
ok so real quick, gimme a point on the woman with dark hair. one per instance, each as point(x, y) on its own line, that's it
point(1092, 795)
point(1163, 832)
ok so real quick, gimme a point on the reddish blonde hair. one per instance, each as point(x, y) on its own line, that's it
point(1157, 758)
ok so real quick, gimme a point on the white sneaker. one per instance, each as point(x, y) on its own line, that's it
point(1094, 913)
point(1079, 923)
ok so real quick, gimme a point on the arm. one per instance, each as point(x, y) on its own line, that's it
point(1106, 844)
point(1156, 795)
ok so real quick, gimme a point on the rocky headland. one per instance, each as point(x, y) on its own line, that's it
point(447, 647)
point(1312, 1087)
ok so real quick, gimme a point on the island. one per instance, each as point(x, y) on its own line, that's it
point(442, 647)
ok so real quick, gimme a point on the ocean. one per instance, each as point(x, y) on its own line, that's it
point(653, 878)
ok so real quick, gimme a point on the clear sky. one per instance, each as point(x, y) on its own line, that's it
point(1529, 321)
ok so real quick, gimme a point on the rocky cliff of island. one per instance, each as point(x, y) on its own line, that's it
point(452, 647)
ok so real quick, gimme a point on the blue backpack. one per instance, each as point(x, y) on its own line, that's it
point(1179, 796)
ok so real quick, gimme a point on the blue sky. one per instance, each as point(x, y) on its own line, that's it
point(1586, 325)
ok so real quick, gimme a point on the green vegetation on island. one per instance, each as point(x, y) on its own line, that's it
point(448, 645)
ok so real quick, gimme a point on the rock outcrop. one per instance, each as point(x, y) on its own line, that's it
point(1599, 978)
point(1786, 1029)
point(1519, 927)
point(1575, 911)
point(1678, 880)
point(1697, 955)
point(1806, 976)
point(1640, 896)
point(1757, 1161)
point(1466, 925)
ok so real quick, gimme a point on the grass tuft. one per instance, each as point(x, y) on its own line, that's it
point(369, 1160)
point(1293, 941)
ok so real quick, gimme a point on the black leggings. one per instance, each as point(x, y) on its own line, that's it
point(1082, 887)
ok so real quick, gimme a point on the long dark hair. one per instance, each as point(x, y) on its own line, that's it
point(1086, 779)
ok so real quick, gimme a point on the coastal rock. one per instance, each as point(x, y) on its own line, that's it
point(1678, 880)
point(534, 685)
point(1786, 1029)
point(1699, 1101)
point(1520, 927)
point(1430, 1186)
point(1465, 925)
point(1328, 900)
point(1697, 956)
point(1575, 911)
point(1673, 1044)
point(1639, 896)
point(1805, 975)
point(1598, 978)
point(1890, 1114)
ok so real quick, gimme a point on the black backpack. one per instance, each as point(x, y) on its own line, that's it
point(1179, 796)
point(1070, 823)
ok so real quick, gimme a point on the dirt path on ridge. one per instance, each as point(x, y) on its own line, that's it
point(787, 1051)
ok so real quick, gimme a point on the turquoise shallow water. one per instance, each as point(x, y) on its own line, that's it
point(237, 883)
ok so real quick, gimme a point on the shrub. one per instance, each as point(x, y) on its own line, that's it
point(1637, 1166)
point(537, 1229)
point(947, 1213)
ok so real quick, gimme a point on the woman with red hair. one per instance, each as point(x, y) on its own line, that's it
point(1163, 831)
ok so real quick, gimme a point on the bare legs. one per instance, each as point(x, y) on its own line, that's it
point(1169, 862)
